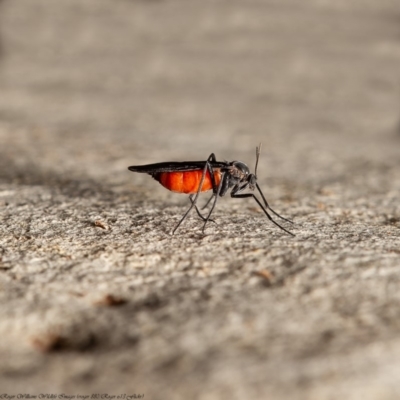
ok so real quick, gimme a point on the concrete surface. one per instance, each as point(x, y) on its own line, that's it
point(98, 298)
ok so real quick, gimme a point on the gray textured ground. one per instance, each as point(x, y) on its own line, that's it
point(97, 297)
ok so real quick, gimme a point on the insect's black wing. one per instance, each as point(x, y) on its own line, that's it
point(174, 166)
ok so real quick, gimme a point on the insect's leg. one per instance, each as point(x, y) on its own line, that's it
point(211, 159)
point(208, 202)
point(267, 205)
point(215, 202)
point(237, 195)
point(211, 172)
point(194, 201)
point(198, 211)
point(216, 189)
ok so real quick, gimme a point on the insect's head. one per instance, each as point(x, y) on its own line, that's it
point(240, 172)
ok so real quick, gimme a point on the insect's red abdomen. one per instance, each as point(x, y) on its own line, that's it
point(187, 182)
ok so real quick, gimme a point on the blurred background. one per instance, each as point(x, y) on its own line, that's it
point(91, 87)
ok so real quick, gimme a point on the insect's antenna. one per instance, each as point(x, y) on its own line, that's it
point(258, 151)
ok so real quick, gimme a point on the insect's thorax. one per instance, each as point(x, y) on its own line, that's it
point(236, 174)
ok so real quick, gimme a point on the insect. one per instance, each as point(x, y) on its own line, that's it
point(194, 177)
